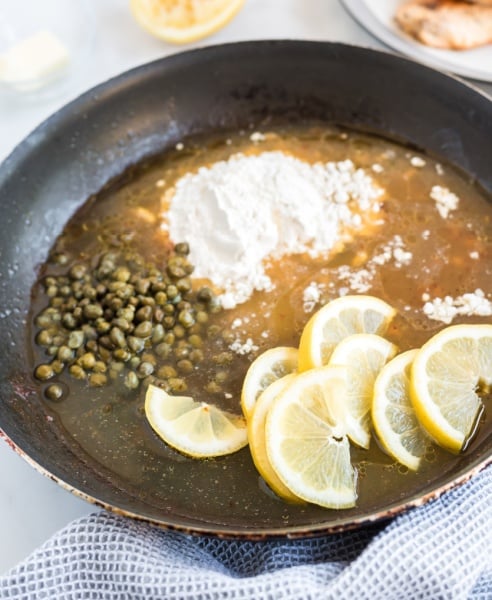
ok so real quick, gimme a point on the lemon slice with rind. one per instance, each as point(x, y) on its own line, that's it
point(197, 429)
point(393, 416)
point(363, 355)
point(306, 446)
point(337, 320)
point(184, 21)
point(257, 438)
point(264, 370)
point(446, 373)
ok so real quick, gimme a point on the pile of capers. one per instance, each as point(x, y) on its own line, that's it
point(124, 319)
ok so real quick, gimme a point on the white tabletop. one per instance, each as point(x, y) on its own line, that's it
point(32, 507)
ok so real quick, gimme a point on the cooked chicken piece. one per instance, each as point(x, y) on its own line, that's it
point(450, 24)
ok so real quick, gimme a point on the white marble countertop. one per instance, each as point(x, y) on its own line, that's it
point(32, 507)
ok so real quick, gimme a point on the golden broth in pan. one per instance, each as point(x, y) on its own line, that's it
point(413, 255)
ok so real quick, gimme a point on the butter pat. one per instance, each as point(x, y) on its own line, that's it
point(31, 63)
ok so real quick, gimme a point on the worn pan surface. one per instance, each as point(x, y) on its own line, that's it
point(142, 112)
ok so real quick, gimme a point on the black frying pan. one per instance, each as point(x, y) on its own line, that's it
point(143, 112)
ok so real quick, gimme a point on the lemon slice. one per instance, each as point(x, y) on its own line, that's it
point(264, 370)
point(445, 375)
point(306, 446)
point(183, 21)
point(257, 438)
point(363, 355)
point(197, 429)
point(393, 416)
point(337, 320)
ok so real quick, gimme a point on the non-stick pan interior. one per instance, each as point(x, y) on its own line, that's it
point(141, 113)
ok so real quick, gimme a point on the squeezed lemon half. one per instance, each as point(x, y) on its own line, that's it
point(184, 21)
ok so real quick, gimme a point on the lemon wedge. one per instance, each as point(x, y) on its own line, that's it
point(197, 429)
point(337, 320)
point(306, 446)
point(363, 355)
point(184, 21)
point(393, 416)
point(257, 438)
point(445, 375)
point(264, 370)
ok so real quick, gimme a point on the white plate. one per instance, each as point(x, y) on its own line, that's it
point(377, 17)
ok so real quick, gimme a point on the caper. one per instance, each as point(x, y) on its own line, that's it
point(221, 376)
point(64, 353)
point(44, 338)
point(186, 318)
point(172, 293)
point(116, 366)
point(125, 292)
point(162, 350)
point(161, 298)
point(54, 392)
point(77, 371)
point(117, 337)
point(131, 380)
point(92, 346)
point(144, 313)
point(169, 309)
point(166, 372)
point(134, 362)
point(201, 316)
point(77, 271)
point(69, 321)
point(183, 284)
point(177, 384)
point(179, 331)
point(121, 274)
point(93, 311)
point(169, 338)
point(100, 367)
point(185, 366)
point(168, 322)
point(65, 290)
point(57, 366)
point(75, 339)
point(149, 357)
point(135, 344)
point(144, 329)
point(127, 313)
point(97, 379)
point(205, 294)
point(58, 340)
point(87, 360)
point(60, 258)
point(102, 326)
point(181, 352)
point(52, 351)
point(122, 354)
point(44, 372)
point(90, 332)
point(213, 387)
point(144, 369)
point(142, 286)
point(57, 302)
point(157, 334)
point(52, 291)
point(89, 292)
point(196, 355)
point(195, 340)
point(175, 271)
point(182, 248)
point(223, 358)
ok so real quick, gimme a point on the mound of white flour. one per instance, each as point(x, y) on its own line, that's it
point(240, 213)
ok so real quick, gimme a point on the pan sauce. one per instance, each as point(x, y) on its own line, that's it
point(441, 256)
